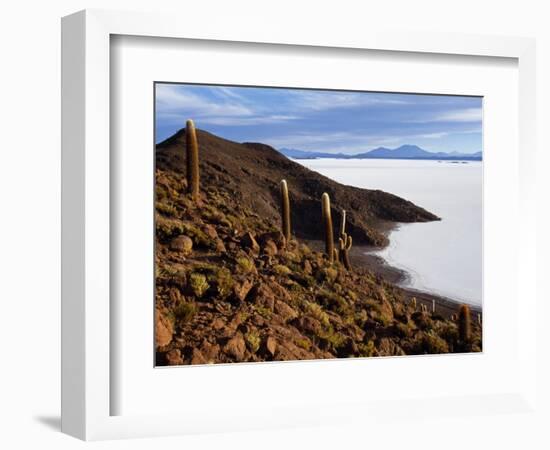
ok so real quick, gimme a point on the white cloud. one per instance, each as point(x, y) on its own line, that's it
point(228, 109)
point(321, 101)
point(170, 99)
point(436, 135)
point(247, 120)
point(458, 115)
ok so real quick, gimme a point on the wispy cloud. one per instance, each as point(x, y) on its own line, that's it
point(247, 120)
point(458, 115)
point(175, 105)
point(171, 99)
point(318, 120)
point(308, 100)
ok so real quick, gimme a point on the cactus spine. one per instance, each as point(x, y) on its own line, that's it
point(192, 148)
point(464, 325)
point(327, 219)
point(285, 210)
point(345, 242)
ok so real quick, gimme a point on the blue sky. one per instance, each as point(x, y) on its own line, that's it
point(328, 121)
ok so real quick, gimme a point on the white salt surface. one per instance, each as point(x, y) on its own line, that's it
point(443, 257)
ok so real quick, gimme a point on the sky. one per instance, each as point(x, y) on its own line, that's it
point(320, 120)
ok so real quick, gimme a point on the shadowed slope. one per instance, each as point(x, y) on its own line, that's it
point(252, 173)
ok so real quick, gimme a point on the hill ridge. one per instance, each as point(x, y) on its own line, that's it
point(253, 171)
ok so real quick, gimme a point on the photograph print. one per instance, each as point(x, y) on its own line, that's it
point(305, 224)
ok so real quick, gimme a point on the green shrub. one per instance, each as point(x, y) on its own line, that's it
point(318, 313)
point(266, 313)
point(252, 341)
point(198, 284)
point(303, 343)
point(166, 208)
point(185, 311)
point(334, 340)
point(281, 270)
point(430, 343)
point(367, 349)
point(224, 282)
point(245, 265)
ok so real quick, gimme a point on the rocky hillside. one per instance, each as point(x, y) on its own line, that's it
point(251, 173)
point(230, 289)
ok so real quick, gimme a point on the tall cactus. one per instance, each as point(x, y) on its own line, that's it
point(285, 211)
point(192, 148)
point(327, 219)
point(345, 242)
point(464, 325)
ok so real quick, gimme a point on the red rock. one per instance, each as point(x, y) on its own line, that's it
point(217, 324)
point(210, 351)
point(242, 290)
point(182, 244)
point(248, 241)
point(174, 294)
point(197, 357)
point(220, 247)
point(275, 236)
point(310, 325)
point(236, 347)
point(264, 295)
point(271, 345)
point(270, 248)
point(173, 358)
point(280, 292)
point(286, 312)
point(163, 330)
point(211, 231)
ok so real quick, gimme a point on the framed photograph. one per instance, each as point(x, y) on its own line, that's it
point(252, 218)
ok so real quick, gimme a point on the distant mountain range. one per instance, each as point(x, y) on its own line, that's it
point(403, 152)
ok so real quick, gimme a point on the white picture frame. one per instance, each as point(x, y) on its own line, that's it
point(86, 286)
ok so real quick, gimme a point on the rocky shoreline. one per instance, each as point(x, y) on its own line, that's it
point(362, 256)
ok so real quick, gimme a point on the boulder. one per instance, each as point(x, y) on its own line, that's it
point(280, 292)
point(248, 241)
point(286, 312)
point(210, 351)
point(235, 347)
point(270, 248)
point(182, 244)
point(241, 290)
point(220, 246)
point(263, 295)
point(217, 324)
point(211, 231)
point(197, 357)
point(271, 345)
point(163, 330)
point(310, 325)
point(275, 236)
point(173, 358)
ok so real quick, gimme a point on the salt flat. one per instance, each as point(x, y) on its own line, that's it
point(443, 257)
